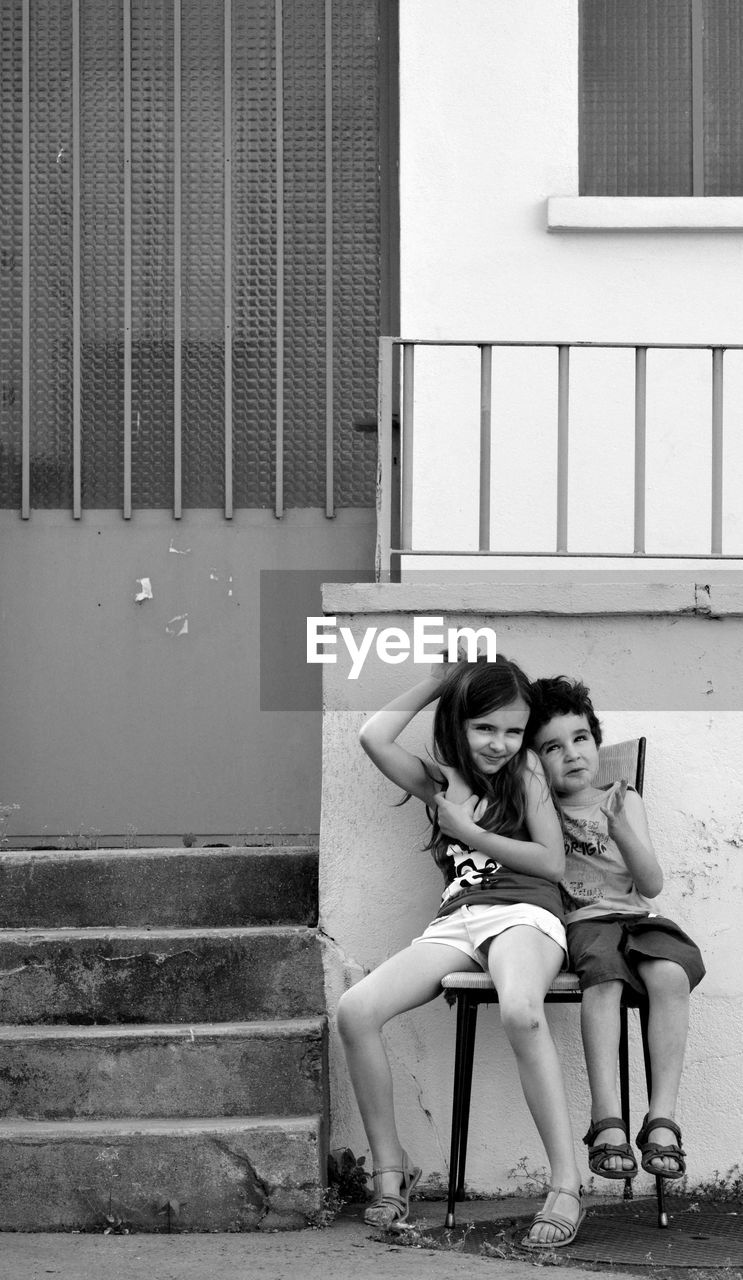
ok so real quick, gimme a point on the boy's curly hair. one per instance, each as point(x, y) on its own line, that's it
point(561, 696)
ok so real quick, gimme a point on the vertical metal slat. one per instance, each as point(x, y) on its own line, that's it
point(127, 15)
point(641, 358)
point(697, 97)
point(406, 459)
point(384, 478)
point(177, 269)
point(329, 442)
point(486, 401)
point(228, 494)
point(563, 426)
point(717, 400)
point(279, 432)
point(76, 454)
point(26, 267)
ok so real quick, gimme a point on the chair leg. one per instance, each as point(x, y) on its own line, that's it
point(464, 1053)
point(469, 1058)
point(624, 1083)
point(660, 1189)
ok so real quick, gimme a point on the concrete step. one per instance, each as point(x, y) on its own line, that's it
point(218, 1174)
point(234, 1069)
point(167, 888)
point(86, 976)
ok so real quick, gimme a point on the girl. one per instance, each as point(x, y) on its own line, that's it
point(498, 840)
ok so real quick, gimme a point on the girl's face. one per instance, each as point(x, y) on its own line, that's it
point(494, 738)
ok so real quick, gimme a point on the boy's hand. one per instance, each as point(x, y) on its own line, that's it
point(456, 820)
point(613, 805)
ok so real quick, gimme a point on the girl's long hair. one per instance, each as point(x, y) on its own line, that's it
point(471, 691)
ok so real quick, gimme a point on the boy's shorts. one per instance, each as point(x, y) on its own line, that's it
point(609, 948)
point(469, 928)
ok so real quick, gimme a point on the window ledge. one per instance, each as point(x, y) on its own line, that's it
point(645, 213)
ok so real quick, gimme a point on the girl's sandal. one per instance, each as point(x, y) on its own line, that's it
point(599, 1153)
point(389, 1212)
point(548, 1216)
point(653, 1150)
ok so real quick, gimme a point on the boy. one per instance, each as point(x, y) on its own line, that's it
point(614, 934)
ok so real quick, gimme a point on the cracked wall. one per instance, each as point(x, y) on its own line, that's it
point(649, 671)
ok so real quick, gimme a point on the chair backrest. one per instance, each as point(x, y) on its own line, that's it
point(622, 760)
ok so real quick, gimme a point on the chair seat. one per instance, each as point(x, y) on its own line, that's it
point(564, 983)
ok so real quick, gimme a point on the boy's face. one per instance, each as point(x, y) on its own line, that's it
point(569, 754)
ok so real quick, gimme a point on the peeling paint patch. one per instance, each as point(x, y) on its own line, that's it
point(144, 590)
point(178, 551)
point(177, 626)
point(702, 598)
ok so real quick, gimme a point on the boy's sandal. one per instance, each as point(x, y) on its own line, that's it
point(599, 1153)
point(389, 1212)
point(653, 1150)
point(548, 1216)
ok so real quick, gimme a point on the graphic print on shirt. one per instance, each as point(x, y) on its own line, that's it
point(471, 870)
point(584, 841)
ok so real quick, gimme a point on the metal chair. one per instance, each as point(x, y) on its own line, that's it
point(469, 990)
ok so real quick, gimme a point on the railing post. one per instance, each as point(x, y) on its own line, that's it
point(641, 359)
point(563, 424)
point(384, 468)
point(486, 402)
point(716, 544)
point(406, 450)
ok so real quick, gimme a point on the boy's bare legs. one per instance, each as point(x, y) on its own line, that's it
point(600, 1026)
point(668, 1024)
point(407, 980)
point(668, 998)
point(523, 962)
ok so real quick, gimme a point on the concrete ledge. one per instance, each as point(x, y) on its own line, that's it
point(220, 1175)
point(233, 1069)
point(177, 975)
point(542, 598)
point(645, 213)
point(167, 888)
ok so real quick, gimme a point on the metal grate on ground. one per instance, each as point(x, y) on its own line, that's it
point(700, 1234)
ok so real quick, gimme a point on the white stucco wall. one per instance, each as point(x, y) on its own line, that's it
point(488, 133)
point(661, 660)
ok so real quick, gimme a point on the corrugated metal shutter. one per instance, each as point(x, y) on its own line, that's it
point(272, 335)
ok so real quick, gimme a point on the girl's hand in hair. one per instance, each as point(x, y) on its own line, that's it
point(440, 670)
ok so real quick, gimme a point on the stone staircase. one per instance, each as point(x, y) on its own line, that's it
point(163, 1042)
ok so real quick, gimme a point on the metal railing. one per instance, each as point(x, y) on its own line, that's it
point(395, 499)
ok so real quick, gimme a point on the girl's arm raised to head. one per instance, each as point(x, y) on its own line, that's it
point(542, 855)
point(378, 736)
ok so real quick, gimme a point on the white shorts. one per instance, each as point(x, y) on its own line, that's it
point(469, 928)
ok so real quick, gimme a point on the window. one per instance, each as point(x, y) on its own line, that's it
point(661, 98)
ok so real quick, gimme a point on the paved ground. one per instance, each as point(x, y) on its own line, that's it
point(346, 1250)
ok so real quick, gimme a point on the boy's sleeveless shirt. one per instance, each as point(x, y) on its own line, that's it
point(478, 880)
point(597, 881)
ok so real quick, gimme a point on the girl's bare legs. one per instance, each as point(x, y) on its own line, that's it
point(523, 962)
point(407, 980)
